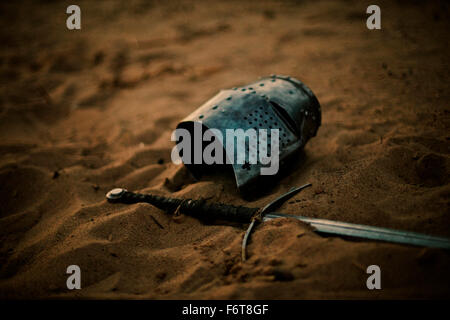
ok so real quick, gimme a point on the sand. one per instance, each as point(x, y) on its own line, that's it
point(84, 111)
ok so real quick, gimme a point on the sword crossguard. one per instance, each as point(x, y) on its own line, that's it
point(259, 216)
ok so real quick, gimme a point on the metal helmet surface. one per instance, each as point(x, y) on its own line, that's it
point(275, 102)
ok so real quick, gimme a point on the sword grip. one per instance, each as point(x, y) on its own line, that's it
point(217, 211)
point(199, 209)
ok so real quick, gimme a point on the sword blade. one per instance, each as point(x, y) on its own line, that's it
point(367, 232)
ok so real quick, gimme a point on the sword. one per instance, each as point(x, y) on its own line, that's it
point(217, 211)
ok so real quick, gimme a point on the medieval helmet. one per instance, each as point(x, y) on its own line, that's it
point(275, 102)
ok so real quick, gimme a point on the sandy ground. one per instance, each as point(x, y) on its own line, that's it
point(84, 111)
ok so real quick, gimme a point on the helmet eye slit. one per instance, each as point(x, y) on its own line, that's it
point(284, 116)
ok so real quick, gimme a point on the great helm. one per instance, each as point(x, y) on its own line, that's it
point(275, 102)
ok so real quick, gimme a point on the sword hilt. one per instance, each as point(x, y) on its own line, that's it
point(199, 209)
point(202, 210)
